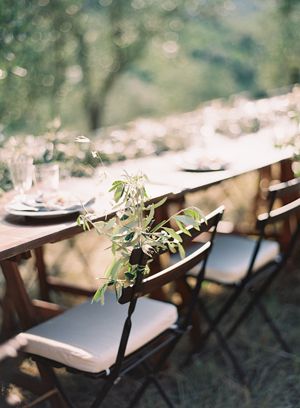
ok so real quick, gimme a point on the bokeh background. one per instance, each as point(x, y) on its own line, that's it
point(141, 77)
point(95, 63)
point(124, 72)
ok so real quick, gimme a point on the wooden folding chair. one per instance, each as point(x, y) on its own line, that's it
point(251, 264)
point(107, 342)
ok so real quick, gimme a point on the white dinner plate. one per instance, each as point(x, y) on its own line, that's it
point(12, 208)
point(195, 165)
point(42, 214)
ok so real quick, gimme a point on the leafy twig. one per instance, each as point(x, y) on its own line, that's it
point(132, 227)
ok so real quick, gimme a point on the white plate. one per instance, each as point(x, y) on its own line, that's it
point(196, 165)
point(46, 213)
point(42, 214)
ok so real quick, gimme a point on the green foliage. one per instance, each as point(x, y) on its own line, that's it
point(107, 62)
point(58, 48)
point(132, 227)
point(286, 7)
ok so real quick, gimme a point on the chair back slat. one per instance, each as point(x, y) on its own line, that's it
point(284, 189)
point(155, 281)
point(211, 220)
point(279, 214)
point(289, 209)
point(174, 272)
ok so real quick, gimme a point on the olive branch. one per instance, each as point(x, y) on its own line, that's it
point(133, 226)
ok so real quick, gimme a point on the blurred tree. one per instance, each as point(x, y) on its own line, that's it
point(50, 47)
point(128, 27)
point(289, 23)
point(280, 39)
point(103, 55)
point(286, 7)
point(34, 37)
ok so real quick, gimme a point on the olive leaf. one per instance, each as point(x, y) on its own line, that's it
point(173, 234)
point(149, 217)
point(99, 295)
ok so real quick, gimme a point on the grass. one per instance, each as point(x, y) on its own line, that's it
point(209, 380)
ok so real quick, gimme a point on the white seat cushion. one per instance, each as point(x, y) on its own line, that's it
point(87, 336)
point(231, 254)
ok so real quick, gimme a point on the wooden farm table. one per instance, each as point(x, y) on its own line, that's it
point(246, 154)
point(20, 236)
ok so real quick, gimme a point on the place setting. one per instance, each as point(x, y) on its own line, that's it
point(198, 161)
point(39, 193)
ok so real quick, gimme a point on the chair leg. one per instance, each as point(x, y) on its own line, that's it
point(140, 392)
point(255, 297)
point(224, 345)
point(103, 393)
point(256, 302)
point(162, 392)
point(157, 384)
point(226, 307)
point(151, 376)
point(239, 320)
point(58, 399)
point(273, 327)
point(66, 399)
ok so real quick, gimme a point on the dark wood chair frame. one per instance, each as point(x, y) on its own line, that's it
point(256, 283)
point(164, 343)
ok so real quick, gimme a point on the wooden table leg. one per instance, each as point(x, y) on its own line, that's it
point(286, 173)
point(29, 314)
point(8, 327)
point(185, 292)
point(43, 389)
point(16, 292)
point(48, 283)
point(264, 179)
point(42, 273)
point(16, 299)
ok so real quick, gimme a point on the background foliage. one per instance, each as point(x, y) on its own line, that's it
point(102, 62)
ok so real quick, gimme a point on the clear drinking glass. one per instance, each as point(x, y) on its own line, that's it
point(21, 171)
point(47, 177)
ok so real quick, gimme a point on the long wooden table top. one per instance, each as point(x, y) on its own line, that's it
point(20, 234)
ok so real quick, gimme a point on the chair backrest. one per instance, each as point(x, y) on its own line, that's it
point(289, 207)
point(289, 194)
point(284, 192)
point(278, 214)
point(144, 285)
point(285, 189)
point(153, 282)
